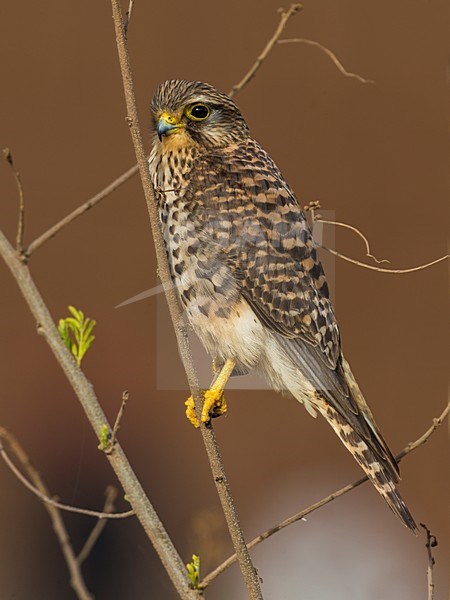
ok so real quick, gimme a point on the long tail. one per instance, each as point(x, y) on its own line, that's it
point(379, 466)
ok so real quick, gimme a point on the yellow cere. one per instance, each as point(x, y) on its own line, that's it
point(165, 116)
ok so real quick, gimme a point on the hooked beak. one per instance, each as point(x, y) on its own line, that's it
point(167, 125)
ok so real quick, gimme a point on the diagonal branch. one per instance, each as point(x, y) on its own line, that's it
point(248, 570)
point(76, 578)
point(86, 395)
point(303, 513)
point(47, 235)
point(116, 427)
point(285, 16)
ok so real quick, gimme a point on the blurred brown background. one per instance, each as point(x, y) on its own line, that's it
point(375, 155)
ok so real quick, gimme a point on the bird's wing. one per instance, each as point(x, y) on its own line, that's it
point(282, 279)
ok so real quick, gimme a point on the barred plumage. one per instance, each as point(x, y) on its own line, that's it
point(246, 269)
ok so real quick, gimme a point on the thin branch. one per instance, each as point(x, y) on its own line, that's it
point(111, 495)
point(303, 513)
point(426, 436)
point(249, 573)
point(313, 206)
point(51, 501)
point(76, 578)
point(431, 543)
point(381, 269)
point(125, 397)
point(128, 18)
point(38, 242)
point(330, 55)
point(7, 154)
point(86, 395)
point(358, 232)
point(285, 16)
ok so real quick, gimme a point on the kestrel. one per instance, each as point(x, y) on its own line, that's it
point(247, 273)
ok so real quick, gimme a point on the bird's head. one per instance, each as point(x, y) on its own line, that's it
point(191, 111)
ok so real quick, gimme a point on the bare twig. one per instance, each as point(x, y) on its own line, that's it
point(313, 206)
point(111, 495)
point(303, 513)
point(358, 232)
point(128, 18)
point(330, 54)
point(7, 154)
point(426, 436)
point(248, 571)
point(316, 218)
point(76, 578)
point(431, 543)
point(285, 16)
point(52, 502)
point(86, 395)
point(125, 397)
point(384, 270)
point(38, 242)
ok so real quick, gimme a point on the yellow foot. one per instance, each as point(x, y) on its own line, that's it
point(214, 406)
point(190, 412)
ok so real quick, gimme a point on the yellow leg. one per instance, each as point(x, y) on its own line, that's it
point(214, 404)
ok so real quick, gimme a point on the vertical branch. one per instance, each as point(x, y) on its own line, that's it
point(21, 224)
point(431, 543)
point(248, 570)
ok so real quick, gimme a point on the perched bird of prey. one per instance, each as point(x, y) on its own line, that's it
point(247, 273)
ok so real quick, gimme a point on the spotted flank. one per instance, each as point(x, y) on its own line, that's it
point(246, 269)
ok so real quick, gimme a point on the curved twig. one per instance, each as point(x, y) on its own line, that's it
point(358, 232)
point(330, 55)
point(384, 270)
point(313, 206)
point(52, 502)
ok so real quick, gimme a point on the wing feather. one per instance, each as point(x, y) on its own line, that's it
point(281, 277)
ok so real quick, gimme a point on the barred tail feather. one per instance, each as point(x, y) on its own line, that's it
point(380, 470)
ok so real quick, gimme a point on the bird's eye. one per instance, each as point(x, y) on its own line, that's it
point(198, 112)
